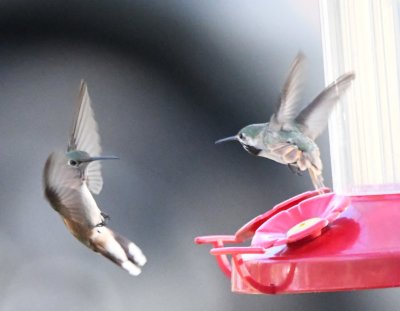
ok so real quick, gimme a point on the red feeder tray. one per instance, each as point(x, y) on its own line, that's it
point(314, 243)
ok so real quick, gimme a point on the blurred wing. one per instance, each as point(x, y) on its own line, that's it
point(61, 186)
point(85, 137)
point(287, 109)
point(93, 177)
point(314, 118)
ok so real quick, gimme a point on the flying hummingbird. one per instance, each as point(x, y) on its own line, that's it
point(69, 180)
point(289, 136)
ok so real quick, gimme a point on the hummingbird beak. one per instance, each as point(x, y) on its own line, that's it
point(91, 159)
point(231, 138)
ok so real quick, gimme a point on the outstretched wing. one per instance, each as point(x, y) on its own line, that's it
point(287, 108)
point(85, 137)
point(61, 186)
point(314, 118)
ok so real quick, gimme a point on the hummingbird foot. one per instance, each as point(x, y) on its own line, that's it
point(105, 220)
point(101, 224)
point(295, 169)
point(105, 216)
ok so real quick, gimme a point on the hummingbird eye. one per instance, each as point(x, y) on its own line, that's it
point(241, 136)
point(73, 163)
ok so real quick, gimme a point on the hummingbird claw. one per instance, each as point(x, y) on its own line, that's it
point(295, 169)
point(105, 216)
point(101, 224)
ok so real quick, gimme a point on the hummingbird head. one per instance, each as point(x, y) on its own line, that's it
point(77, 158)
point(249, 137)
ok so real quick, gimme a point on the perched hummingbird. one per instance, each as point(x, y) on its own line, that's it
point(69, 180)
point(288, 137)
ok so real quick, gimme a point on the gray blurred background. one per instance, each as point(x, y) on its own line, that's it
point(166, 79)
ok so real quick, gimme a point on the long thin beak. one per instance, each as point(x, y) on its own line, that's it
point(102, 158)
point(231, 138)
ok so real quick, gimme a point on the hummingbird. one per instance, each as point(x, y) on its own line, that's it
point(71, 177)
point(289, 136)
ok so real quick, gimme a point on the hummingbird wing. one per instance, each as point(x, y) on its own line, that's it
point(62, 184)
point(314, 118)
point(85, 137)
point(287, 108)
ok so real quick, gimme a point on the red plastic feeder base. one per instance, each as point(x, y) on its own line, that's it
point(315, 243)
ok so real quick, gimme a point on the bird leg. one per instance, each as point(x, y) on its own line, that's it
point(106, 218)
point(295, 169)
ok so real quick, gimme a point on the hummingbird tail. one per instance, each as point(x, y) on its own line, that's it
point(118, 249)
point(316, 178)
point(312, 162)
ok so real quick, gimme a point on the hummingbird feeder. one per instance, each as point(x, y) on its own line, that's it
point(346, 239)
